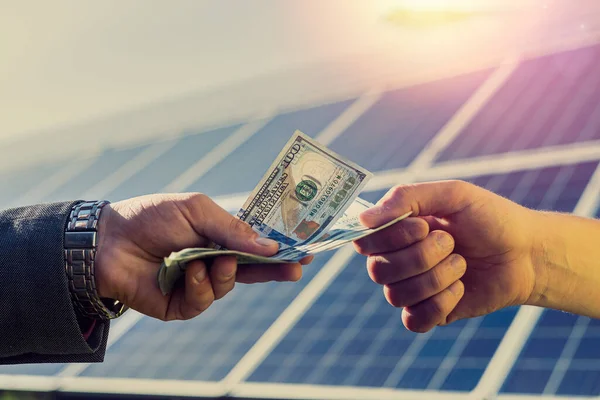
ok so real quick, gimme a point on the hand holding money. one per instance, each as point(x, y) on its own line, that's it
point(135, 235)
point(307, 202)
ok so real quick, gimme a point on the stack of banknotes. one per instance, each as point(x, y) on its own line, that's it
point(307, 201)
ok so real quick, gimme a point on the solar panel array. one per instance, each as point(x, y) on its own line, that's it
point(334, 328)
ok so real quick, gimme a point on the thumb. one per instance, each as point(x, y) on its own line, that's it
point(216, 224)
point(439, 199)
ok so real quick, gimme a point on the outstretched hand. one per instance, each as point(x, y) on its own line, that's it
point(136, 234)
point(465, 252)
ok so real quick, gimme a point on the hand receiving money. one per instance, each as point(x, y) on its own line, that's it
point(307, 202)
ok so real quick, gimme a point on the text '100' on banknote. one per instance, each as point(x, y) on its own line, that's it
point(303, 193)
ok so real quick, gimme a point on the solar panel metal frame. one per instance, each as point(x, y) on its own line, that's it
point(422, 168)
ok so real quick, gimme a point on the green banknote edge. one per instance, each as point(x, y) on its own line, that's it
point(174, 266)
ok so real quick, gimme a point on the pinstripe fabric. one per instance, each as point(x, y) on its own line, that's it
point(37, 321)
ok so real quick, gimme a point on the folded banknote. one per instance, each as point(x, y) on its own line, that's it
point(307, 201)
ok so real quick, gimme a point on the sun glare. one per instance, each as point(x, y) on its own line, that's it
point(429, 12)
point(436, 5)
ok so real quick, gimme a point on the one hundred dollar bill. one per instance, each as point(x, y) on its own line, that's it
point(304, 192)
point(346, 230)
point(297, 203)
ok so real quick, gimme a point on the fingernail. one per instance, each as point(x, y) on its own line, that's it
point(266, 242)
point(456, 288)
point(457, 262)
point(373, 211)
point(445, 240)
point(200, 275)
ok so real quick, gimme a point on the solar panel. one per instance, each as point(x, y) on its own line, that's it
point(548, 101)
point(15, 183)
point(105, 164)
point(182, 153)
point(561, 357)
point(394, 131)
point(255, 155)
point(204, 348)
point(352, 337)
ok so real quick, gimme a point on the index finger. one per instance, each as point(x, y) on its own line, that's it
point(431, 198)
point(395, 237)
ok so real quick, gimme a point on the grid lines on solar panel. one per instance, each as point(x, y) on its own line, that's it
point(103, 166)
point(548, 101)
point(396, 128)
point(242, 169)
point(181, 154)
point(352, 337)
point(561, 357)
point(15, 183)
point(204, 348)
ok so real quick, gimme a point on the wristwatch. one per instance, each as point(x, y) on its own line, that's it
point(81, 238)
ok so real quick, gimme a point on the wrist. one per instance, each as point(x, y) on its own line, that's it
point(104, 281)
point(551, 266)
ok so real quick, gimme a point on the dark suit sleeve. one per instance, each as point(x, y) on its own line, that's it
point(38, 323)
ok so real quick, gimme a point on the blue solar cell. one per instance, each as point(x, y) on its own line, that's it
point(557, 319)
point(242, 169)
point(105, 164)
point(350, 329)
point(396, 347)
point(523, 380)
point(437, 348)
point(227, 330)
point(582, 382)
point(463, 379)
point(393, 132)
point(501, 319)
point(182, 154)
point(547, 101)
point(589, 347)
point(562, 353)
point(374, 376)
point(15, 183)
point(417, 378)
point(548, 348)
point(334, 376)
point(480, 348)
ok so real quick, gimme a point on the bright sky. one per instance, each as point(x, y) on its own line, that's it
point(64, 61)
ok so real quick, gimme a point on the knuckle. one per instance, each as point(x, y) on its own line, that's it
point(396, 195)
point(433, 281)
point(361, 247)
point(238, 226)
point(222, 279)
point(460, 185)
point(205, 303)
point(393, 296)
point(400, 191)
point(196, 201)
point(201, 300)
point(195, 206)
point(435, 309)
point(419, 258)
point(374, 268)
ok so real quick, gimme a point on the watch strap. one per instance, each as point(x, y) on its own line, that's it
point(80, 245)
